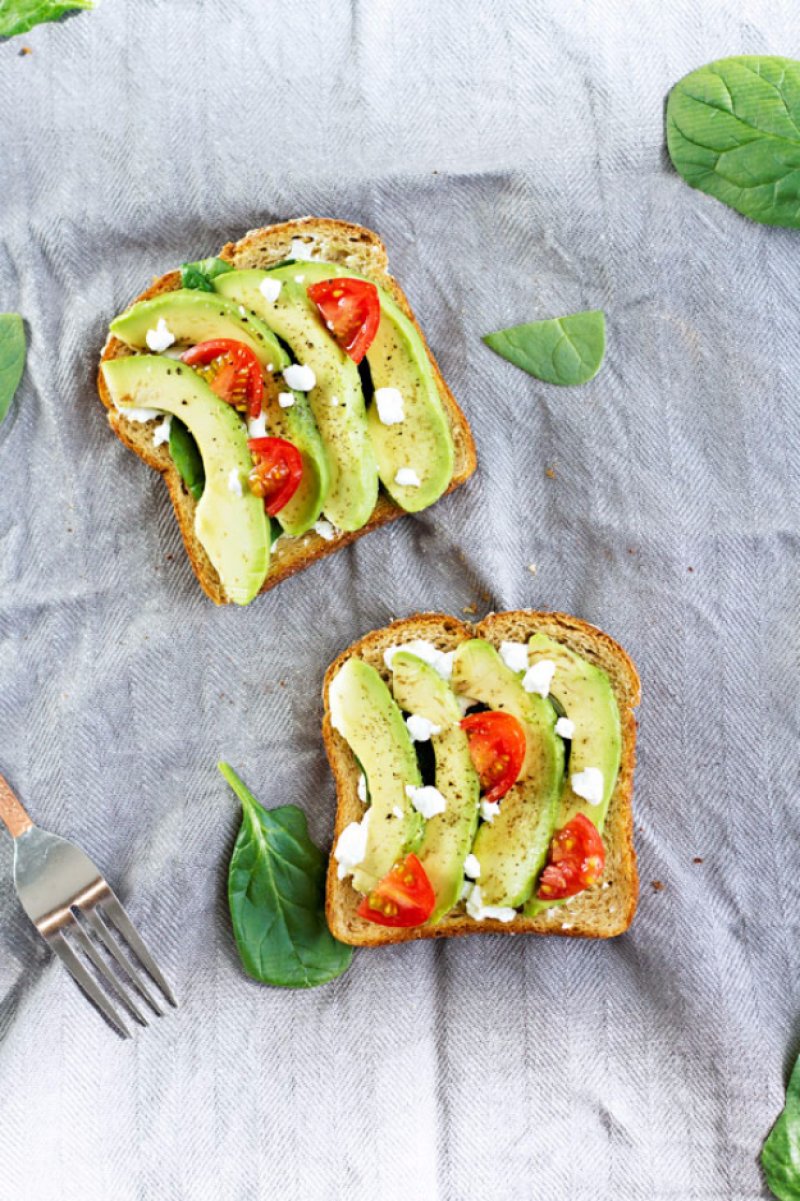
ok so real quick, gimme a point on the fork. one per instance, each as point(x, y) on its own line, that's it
point(80, 917)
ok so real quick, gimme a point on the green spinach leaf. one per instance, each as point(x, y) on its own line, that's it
point(18, 16)
point(733, 131)
point(201, 274)
point(780, 1155)
point(186, 458)
point(276, 891)
point(564, 350)
point(12, 358)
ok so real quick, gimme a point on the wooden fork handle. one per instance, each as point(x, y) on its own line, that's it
point(11, 812)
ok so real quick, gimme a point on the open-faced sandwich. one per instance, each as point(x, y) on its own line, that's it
point(484, 777)
point(289, 399)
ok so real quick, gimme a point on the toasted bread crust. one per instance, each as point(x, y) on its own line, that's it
point(339, 241)
point(598, 912)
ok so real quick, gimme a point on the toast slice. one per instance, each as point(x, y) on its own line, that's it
point(602, 911)
point(330, 241)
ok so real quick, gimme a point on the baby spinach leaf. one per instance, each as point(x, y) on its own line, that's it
point(12, 358)
point(563, 350)
point(780, 1155)
point(276, 891)
point(186, 458)
point(733, 131)
point(200, 274)
point(18, 16)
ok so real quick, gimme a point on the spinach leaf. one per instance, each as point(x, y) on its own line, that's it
point(186, 458)
point(12, 358)
point(18, 16)
point(733, 131)
point(200, 274)
point(276, 892)
point(564, 350)
point(780, 1155)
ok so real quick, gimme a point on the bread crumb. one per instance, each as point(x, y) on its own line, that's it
point(25, 50)
point(551, 472)
point(657, 885)
point(532, 568)
point(690, 569)
point(486, 596)
point(471, 609)
point(631, 550)
point(697, 859)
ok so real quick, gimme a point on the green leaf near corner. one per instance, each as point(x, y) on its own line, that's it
point(18, 16)
point(200, 275)
point(733, 131)
point(563, 350)
point(12, 358)
point(780, 1155)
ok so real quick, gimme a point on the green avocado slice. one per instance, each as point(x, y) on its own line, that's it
point(230, 521)
point(585, 695)
point(191, 316)
point(512, 848)
point(449, 835)
point(364, 712)
point(397, 359)
point(336, 400)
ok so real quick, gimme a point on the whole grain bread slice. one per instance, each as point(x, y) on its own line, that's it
point(331, 241)
point(602, 911)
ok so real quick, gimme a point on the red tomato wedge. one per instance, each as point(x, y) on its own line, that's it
point(231, 370)
point(497, 747)
point(576, 859)
point(351, 310)
point(404, 897)
point(277, 472)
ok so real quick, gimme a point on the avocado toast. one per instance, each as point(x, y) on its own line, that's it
point(407, 710)
point(363, 435)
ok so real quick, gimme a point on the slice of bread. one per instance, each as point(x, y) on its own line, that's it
point(329, 241)
point(602, 911)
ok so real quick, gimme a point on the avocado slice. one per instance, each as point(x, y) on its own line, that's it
point(230, 521)
point(336, 400)
point(512, 848)
point(191, 317)
point(585, 695)
point(449, 835)
point(365, 714)
point(398, 359)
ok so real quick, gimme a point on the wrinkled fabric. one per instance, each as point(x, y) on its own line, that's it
point(512, 157)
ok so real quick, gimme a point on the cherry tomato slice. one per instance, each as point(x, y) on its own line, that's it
point(231, 370)
point(351, 309)
point(576, 859)
point(404, 897)
point(277, 472)
point(497, 747)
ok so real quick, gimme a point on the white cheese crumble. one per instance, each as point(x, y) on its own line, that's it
point(389, 403)
point(301, 250)
point(588, 784)
point(352, 846)
point(565, 728)
point(325, 529)
point(480, 912)
point(539, 677)
point(514, 655)
point(397, 811)
point(235, 482)
point(160, 338)
point(270, 289)
point(257, 426)
point(420, 728)
point(139, 414)
point(161, 432)
point(472, 867)
point(440, 661)
point(300, 377)
point(286, 400)
point(361, 788)
point(489, 810)
point(298, 279)
point(426, 800)
point(407, 477)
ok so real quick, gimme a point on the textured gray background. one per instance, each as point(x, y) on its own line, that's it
point(512, 157)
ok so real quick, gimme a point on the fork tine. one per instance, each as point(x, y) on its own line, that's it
point(103, 968)
point(79, 973)
point(95, 921)
point(113, 910)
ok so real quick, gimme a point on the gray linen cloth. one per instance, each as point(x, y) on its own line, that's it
point(512, 156)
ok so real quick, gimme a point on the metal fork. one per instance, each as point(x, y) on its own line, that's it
point(80, 917)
